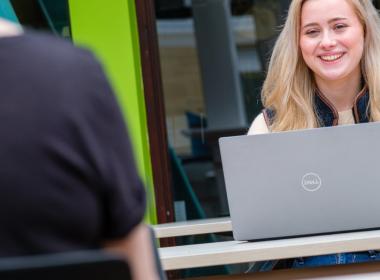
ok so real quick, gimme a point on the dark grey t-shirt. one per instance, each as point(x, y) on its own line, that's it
point(67, 174)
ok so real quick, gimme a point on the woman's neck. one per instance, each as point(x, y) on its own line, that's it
point(341, 93)
point(8, 28)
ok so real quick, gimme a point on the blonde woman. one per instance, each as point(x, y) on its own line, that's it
point(324, 71)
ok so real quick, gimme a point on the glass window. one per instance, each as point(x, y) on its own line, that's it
point(48, 15)
point(214, 54)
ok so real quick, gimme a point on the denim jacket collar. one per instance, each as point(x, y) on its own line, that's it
point(327, 113)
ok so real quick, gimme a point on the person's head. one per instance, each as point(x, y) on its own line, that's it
point(331, 40)
point(321, 39)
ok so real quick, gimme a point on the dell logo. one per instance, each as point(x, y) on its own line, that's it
point(311, 182)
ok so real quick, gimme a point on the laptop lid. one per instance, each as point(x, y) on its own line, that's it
point(305, 182)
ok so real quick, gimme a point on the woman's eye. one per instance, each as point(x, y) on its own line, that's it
point(312, 32)
point(340, 26)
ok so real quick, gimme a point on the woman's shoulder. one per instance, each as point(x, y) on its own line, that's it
point(258, 126)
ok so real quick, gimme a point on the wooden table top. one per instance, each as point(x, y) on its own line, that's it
point(193, 227)
point(230, 252)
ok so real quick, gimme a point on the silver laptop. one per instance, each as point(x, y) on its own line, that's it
point(301, 183)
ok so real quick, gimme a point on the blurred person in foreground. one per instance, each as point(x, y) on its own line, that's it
point(68, 181)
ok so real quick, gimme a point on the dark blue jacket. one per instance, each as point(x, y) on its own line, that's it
point(326, 113)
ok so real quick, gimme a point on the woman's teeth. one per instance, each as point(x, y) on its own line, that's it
point(331, 57)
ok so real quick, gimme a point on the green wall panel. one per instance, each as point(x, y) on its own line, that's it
point(109, 29)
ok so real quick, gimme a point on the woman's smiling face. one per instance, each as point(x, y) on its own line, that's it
point(331, 39)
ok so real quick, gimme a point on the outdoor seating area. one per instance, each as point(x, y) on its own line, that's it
point(189, 139)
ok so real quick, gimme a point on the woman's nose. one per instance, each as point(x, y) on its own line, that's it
point(328, 40)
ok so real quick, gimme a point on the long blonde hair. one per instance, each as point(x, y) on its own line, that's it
point(289, 87)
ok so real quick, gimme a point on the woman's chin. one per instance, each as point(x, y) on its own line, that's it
point(332, 76)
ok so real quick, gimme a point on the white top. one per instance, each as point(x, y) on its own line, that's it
point(8, 29)
point(259, 125)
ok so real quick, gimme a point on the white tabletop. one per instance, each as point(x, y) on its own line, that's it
point(193, 227)
point(230, 252)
